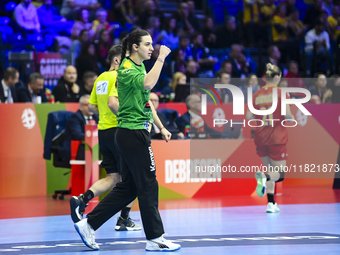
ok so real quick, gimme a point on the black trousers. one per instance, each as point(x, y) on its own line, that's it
point(138, 180)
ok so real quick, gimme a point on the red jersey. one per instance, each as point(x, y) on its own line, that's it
point(272, 132)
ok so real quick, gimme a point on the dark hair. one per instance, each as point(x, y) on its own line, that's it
point(272, 71)
point(292, 62)
point(316, 75)
point(135, 37)
point(82, 32)
point(79, 14)
point(225, 62)
point(167, 25)
point(34, 77)
point(270, 49)
point(220, 72)
point(195, 35)
point(88, 75)
point(84, 49)
point(10, 72)
point(115, 51)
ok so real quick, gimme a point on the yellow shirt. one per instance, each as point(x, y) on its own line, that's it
point(334, 24)
point(248, 12)
point(104, 87)
point(276, 35)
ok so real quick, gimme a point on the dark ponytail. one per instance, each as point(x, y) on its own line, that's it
point(124, 48)
point(135, 37)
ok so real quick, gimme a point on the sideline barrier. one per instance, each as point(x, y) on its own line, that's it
point(24, 172)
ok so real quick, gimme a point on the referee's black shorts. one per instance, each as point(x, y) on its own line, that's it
point(107, 147)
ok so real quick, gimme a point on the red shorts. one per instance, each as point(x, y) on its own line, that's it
point(275, 152)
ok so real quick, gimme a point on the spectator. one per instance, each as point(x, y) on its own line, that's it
point(296, 28)
point(222, 77)
point(251, 21)
point(27, 18)
point(37, 3)
point(312, 14)
point(50, 19)
point(227, 66)
point(191, 71)
point(200, 53)
point(184, 46)
point(280, 24)
point(67, 90)
point(71, 7)
point(75, 129)
point(336, 91)
point(89, 79)
point(294, 81)
point(291, 7)
point(251, 82)
point(179, 78)
point(327, 5)
point(208, 33)
point(283, 83)
point(163, 77)
point(102, 46)
point(240, 66)
point(8, 92)
point(150, 11)
point(290, 48)
point(101, 23)
point(334, 22)
point(194, 120)
point(155, 133)
point(321, 89)
point(319, 38)
point(192, 16)
point(177, 63)
point(33, 91)
point(228, 34)
point(182, 17)
point(124, 11)
point(274, 56)
point(77, 44)
point(82, 22)
point(169, 36)
point(153, 29)
point(87, 60)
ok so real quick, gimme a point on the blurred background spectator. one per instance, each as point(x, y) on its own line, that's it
point(34, 91)
point(8, 92)
point(70, 7)
point(67, 90)
point(87, 84)
point(87, 60)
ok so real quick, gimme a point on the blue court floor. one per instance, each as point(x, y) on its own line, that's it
point(297, 229)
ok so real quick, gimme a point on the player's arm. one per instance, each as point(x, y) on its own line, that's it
point(151, 77)
point(165, 133)
point(93, 108)
point(250, 115)
point(113, 104)
point(289, 115)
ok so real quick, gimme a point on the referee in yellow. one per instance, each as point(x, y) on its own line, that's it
point(104, 101)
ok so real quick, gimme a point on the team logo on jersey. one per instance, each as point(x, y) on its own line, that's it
point(102, 87)
point(147, 126)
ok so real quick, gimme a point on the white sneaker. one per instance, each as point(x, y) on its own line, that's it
point(86, 233)
point(261, 183)
point(161, 244)
point(272, 208)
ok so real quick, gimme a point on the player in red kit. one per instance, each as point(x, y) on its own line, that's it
point(271, 137)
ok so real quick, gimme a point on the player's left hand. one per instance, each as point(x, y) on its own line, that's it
point(165, 134)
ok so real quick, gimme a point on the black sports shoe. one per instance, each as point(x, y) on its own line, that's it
point(77, 206)
point(126, 225)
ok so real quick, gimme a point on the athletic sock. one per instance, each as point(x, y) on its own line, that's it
point(270, 198)
point(268, 177)
point(125, 212)
point(88, 195)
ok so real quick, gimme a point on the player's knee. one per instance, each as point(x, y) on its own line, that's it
point(282, 177)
